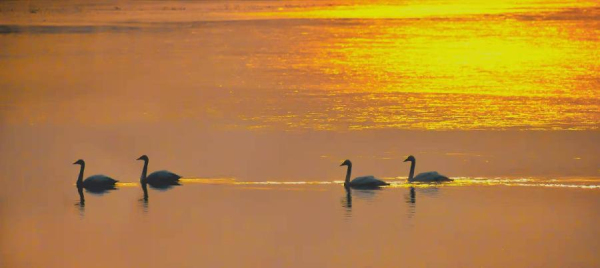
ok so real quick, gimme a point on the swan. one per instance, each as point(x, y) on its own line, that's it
point(361, 182)
point(159, 179)
point(431, 176)
point(94, 183)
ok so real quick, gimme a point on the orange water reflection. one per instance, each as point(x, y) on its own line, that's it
point(446, 74)
point(429, 66)
point(400, 182)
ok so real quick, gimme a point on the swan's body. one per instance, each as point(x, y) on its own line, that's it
point(366, 181)
point(160, 179)
point(361, 182)
point(94, 183)
point(431, 176)
point(163, 177)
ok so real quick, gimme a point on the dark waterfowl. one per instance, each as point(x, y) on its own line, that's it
point(361, 182)
point(161, 179)
point(431, 176)
point(94, 183)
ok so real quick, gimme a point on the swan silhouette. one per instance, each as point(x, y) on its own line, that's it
point(161, 179)
point(94, 183)
point(361, 182)
point(431, 176)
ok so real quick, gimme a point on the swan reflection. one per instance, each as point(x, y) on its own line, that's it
point(94, 191)
point(364, 194)
point(81, 203)
point(160, 187)
point(411, 197)
point(347, 200)
point(145, 189)
point(144, 200)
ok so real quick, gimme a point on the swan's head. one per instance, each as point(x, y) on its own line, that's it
point(346, 163)
point(143, 157)
point(410, 158)
point(79, 162)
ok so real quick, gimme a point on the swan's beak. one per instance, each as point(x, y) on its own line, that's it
point(140, 158)
point(75, 163)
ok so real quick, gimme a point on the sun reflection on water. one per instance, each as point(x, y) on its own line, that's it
point(431, 65)
point(567, 182)
point(533, 71)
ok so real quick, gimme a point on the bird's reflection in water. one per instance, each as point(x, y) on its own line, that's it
point(365, 194)
point(144, 200)
point(411, 197)
point(81, 203)
point(160, 187)
point(347, 202)
point(411, 200)
point(432, 191)
point(91, 190)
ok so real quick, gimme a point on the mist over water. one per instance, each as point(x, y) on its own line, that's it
point(256, 104)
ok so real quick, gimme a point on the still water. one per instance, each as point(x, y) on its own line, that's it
point(256, 104)
point(298, 225)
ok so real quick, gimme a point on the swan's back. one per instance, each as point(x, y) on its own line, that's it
point(162, 177)
point(431, 176)
point(99, 181)
point(367, 181)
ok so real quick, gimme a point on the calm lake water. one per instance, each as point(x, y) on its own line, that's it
point(257, 103)
point(227, 225)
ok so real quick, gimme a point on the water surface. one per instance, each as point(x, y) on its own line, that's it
point(256, 103)
point(301, 225)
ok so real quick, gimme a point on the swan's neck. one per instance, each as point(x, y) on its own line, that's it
point(412, 170)
point(80, 178)
point(144, 172)
point(348, 173)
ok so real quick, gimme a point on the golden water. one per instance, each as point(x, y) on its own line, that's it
point(428, 67)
